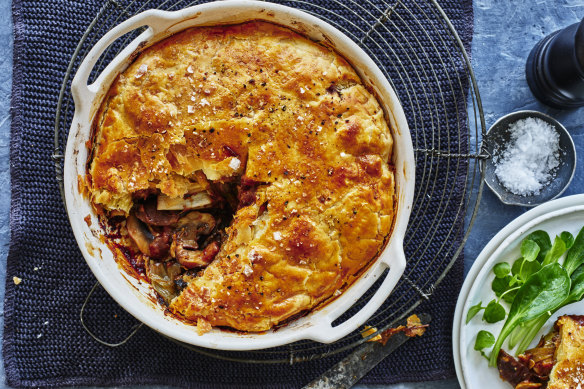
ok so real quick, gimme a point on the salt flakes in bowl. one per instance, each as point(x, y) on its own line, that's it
point(530, 160)
point(533, 158)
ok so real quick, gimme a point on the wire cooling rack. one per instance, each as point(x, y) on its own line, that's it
point(418, 49)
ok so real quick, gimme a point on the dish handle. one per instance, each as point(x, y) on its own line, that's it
point(155, 22)
point(395, 260)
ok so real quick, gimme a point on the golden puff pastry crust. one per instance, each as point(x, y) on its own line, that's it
point(568, 371)
point(262, 106)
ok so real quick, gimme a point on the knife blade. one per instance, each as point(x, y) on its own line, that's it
point(353, 367)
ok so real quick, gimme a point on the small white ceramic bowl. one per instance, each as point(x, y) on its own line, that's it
point(135, 296)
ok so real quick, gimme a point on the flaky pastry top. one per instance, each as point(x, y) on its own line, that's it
point(261, 103)
point(568, 370)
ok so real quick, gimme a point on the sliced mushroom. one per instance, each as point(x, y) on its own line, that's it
point(185, 240)
point(197, 258)
point(139, 233)
point(196, 223)
point(196, 201)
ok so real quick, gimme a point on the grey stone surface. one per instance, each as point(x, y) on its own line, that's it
point(505, 31)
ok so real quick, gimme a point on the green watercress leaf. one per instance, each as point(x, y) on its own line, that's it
point(510, 296)
point(533, 327)
point(501, 269)
point(576, 294)
point(472, 311)
point(558, 248)
point(577, 287)
point(516, 266)
point(523, 269)
point(567, 238)
point(484, 340)
point(529, 250)
point(501, 285)
point(575, 256)
point(543, 240)
point(494, 312)
point(515, 269)
point(542, 292)
point(528, 269)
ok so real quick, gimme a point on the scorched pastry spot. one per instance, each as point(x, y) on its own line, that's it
point(244, 171)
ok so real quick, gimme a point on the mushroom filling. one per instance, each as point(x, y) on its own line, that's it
point(531, 369)
point(181, 236)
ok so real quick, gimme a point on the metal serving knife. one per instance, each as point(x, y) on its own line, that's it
point(352, 368)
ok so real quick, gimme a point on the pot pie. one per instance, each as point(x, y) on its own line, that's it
point(244, 171)
point(557, 362)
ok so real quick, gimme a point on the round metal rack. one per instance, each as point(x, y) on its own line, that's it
point(418, 49)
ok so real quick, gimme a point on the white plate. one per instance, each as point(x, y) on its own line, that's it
point(565, 214)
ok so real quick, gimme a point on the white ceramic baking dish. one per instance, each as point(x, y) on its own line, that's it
point(132, 294)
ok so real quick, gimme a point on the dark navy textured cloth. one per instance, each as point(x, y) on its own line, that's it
point(44, 342)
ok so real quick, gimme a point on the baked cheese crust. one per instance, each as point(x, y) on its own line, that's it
point(260, 103)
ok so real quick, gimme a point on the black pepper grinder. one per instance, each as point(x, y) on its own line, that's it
point(555, 68)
